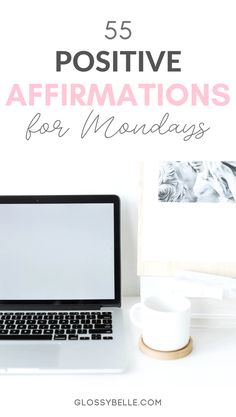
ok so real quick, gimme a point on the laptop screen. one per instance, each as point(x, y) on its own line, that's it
point(58, 250)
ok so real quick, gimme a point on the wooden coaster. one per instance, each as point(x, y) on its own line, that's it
point(158, 354)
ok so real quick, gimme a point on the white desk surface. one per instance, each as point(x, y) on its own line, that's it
point(204, 381)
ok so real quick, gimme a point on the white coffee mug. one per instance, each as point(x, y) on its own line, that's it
point(164, 320)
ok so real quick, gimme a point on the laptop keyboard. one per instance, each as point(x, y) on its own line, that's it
point(83, 325)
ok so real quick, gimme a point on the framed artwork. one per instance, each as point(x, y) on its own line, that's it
point(187, 217)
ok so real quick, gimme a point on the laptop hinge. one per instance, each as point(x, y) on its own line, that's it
point(88, 307)
point(44, 307)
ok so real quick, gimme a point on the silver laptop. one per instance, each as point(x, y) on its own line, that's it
point(60, 289)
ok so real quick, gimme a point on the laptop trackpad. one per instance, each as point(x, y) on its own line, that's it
point(35, 355)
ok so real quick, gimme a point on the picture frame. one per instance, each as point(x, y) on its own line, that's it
point(187, 217)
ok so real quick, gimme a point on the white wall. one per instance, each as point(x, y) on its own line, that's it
point(47, 164)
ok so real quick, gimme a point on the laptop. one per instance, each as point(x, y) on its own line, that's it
point(60, 285)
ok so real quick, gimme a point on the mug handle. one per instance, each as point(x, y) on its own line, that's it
point(132, 313)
